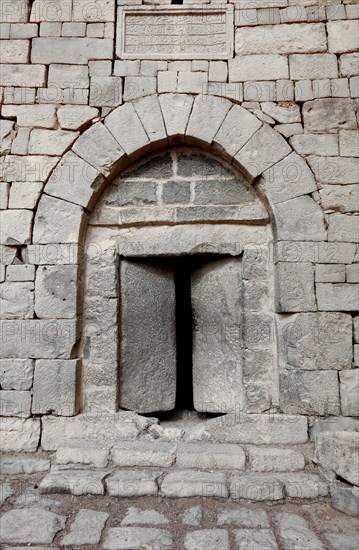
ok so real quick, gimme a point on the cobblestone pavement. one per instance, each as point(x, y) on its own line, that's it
point(157, 523)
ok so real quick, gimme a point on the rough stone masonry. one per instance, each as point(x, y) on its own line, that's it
point(147, 131)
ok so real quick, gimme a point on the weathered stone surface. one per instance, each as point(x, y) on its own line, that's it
point(143, 453)
point(216, 367)
point(5, 492)
point(337, 453)
point(275, 460)
point(313, 66)
point(22, 465)
point(236, 129)
point(17, 300)
point(23, 75)
point(342, 540)
point(345, 498)
point(210, 456)
point(75, 117)
point(334, 170)
point(303, 485)
point(315, 144)
point(207, 538)
point(256, 487)
point(186, 483)
point(75, 482)
point(132, 483)
point(316, 252)
point(342, 36)
point(50, 142)
point(312, 341)
point(70, 50)
point(249, 538)
point(36, 338)
point(309, 392)
point(295, 287)
point(147, 384)
point(135, 516)
point(286, 180)
point(176, 109)
point(262, 151)
point(337, 296)
point(134, 138)
point(55, 387)
point(284, 114)
point(15, 226)
point(193, 516)
point(40, 116)
point(299, 219)
point(349, 392)
point(20, 273)
point(124, 538)
point(57, 221)
point(343, 227)
point(322, 115)
point(348, 63)
point(15, 403)
point(30, 525)
point(100, 149)
point(86, 528)
point(332, 424)
point(340, 197)
point(56, 292)
point(87, 453)
point(150, 114)
point(212, 109)
point(25, 195)
point(244, 518)
point(273, 39)
point(256, 429)
point(294, 532)
point(56, 432)
point(258, 67)
point(16, 374)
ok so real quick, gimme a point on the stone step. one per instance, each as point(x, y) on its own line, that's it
point(184, 483)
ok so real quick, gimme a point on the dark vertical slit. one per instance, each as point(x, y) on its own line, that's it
point(184, 392)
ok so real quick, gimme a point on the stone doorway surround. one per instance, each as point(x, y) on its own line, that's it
point(282, 180)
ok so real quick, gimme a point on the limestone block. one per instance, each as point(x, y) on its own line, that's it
point(20, 435)
point(6, 127)
point(15, 226)
point(75, 117)
point(167, 81)
point(337, 453)
point(349, 392)
point(294, 531)
point(218, 71)
point(74, 482)
point(332, 424)
point(315, 144)
point(101, 339)
point(300, 219)
point(319, 252)
point(75, 180)
point(57, 221)
point(211, 109)
point(7, 254)
point(105, 91)
point(143, 453)
point(16, 11)
point(348, 64)
point(342, 36)
point(352, 273)
point(55, 387)
point(99, 148)
point(286, 115)
point(135, 516)
point(256, 487)
point(258, 67)
point(264, 149)
point(309, 66)
point(30, 525)
point(288, 179)
point(309, 392)
point(335, 170)
point(100, 10)
point(15, 403)
point(210, 456)
point(176, 109)
point(23, 465)
point(56, 290)
point(16, 300)
point(254, 429)
point(40, 116)
point(187, 483)
point(132, 483)
point(148, 347)
point(303, 485)
point(274, 39)
point(35, 338)
point(207, 538)
point(192, 82)
point(29, 168)
point(137, 537)
point(87, 453)
point(345, 498)
point(50, 142)
point(25, 194)
point(295, 287)
point(73, 51)
point(339, 197)
point(271, 459)
point(86, 528)
point(51, 254)
point(343, 227)
point(139, 86)
point(348, 143)
point(125, 126)
point(14, 51)
point(23, 30)
point(264, 538)
point(16, 374)
point(236, 129)
point(23, 75)
point(150, 115)
point(327, 115)
point(65, 76)
point(216, 368)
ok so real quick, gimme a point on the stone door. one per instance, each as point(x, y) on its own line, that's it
point(216, 292)
point(148, 337)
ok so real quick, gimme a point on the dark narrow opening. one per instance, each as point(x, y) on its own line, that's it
point(177, 2)
point(184, 392)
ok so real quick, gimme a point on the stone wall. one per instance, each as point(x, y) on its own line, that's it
point(279, 102)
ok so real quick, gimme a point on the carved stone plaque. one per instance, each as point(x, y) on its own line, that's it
point(175, 32)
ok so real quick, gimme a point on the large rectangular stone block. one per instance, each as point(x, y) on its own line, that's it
point(308, 392)
point(337, 453)
point(20, 435)
point(15, 226)
point(16, 300)
point(343, 36)
point(73, 51)
point(349, 392)
point(337, 296)
point(295, 287)
point(258, 67)
point(299, 219)
point(328, 114)
point(16, 374)
point(216, 303)
point(343, 228)
point(15, 403)
point(23, 75)
point(14, 51)
point(55, 387)
point(148, 343)
point(316, 252)
point(308, 66)
point(56, 290)
point(335, 170)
